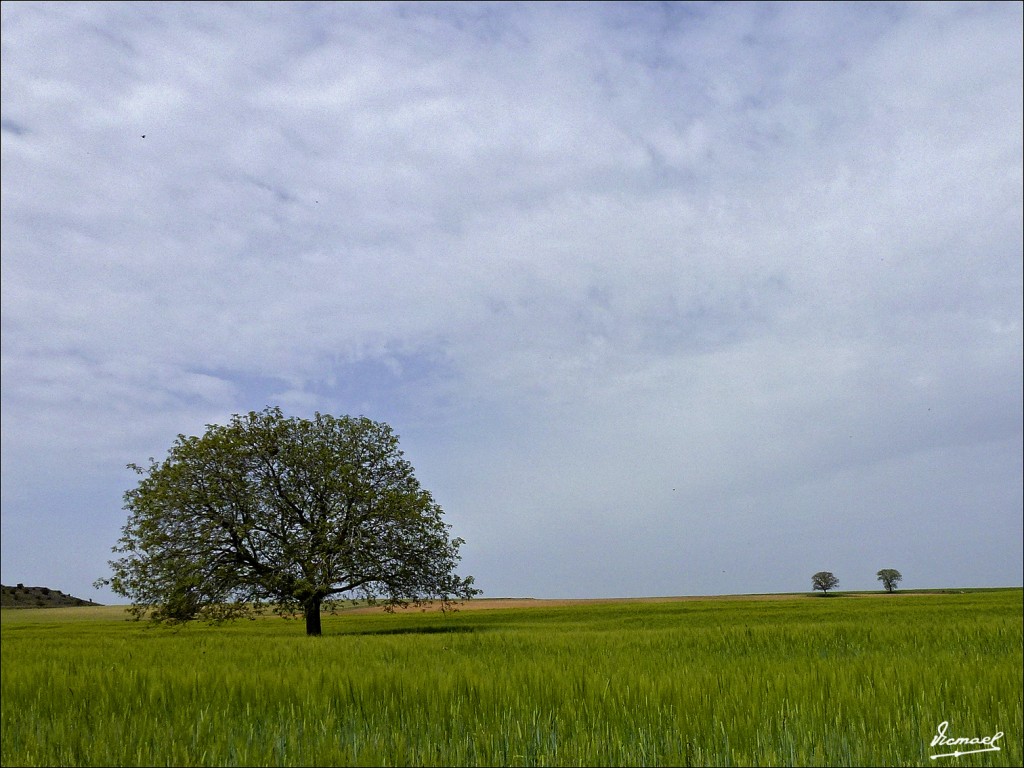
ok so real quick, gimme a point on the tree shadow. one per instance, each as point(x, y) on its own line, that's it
point(425, 630)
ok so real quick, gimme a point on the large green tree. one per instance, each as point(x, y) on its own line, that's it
point(294, 513)
point(824, 580)
point(890, 578)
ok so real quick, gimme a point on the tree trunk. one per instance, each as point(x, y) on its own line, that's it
point(312, 609)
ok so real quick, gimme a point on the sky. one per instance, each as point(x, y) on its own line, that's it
point(661, 299)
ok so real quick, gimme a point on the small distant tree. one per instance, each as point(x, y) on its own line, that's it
point(824, 581)
point(890, 578)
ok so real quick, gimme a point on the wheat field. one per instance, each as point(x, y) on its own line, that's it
point(795, 680)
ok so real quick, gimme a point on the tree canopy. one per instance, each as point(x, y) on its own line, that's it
point(824, 580)
point(890, 578)
point(287, 512)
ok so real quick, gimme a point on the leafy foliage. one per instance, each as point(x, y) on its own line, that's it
point(824, 580)
point(283, 511)
point(890, 578)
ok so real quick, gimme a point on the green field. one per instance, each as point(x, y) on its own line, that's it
point(843, 680)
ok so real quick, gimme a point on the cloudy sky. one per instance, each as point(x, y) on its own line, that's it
point(662, 299)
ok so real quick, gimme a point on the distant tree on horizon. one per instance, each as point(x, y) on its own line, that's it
point(824, 580)
point(890, 578)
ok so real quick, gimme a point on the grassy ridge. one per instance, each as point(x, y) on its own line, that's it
point(783, 682)
point(21, 596)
